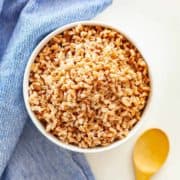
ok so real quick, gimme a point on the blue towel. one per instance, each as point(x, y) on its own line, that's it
point(25, 153)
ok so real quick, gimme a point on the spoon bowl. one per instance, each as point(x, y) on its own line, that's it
point(150, 153)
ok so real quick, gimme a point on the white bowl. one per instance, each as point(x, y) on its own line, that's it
point(37, 122)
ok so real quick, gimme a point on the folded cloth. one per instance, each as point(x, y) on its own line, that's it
point(23, 23)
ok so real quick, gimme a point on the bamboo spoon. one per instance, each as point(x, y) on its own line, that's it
point(150, 152)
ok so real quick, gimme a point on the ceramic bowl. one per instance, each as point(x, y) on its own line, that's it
point(37, 122)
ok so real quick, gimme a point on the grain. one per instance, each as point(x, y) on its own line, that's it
point(89, 86)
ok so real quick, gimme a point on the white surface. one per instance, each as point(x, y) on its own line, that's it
point(155, 25)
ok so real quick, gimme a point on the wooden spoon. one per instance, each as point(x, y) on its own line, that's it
point(150, 152)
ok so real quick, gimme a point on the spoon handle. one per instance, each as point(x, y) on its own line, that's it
point(142, 176)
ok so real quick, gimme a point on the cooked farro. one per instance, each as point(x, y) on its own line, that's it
point(88, 86)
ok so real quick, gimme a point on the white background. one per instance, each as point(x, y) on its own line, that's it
point(155, 26)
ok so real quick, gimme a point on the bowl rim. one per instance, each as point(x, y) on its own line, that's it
point(37, 123)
